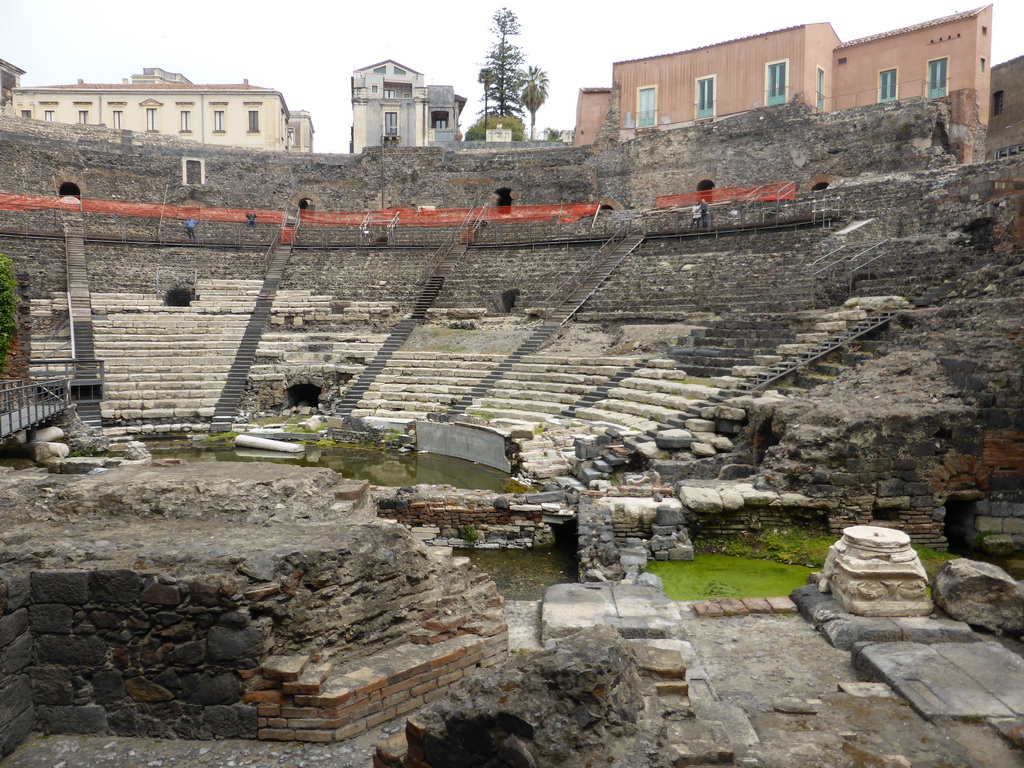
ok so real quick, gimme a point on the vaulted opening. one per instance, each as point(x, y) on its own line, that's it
point(69, 189)
point(299, 395)
point(179, 296)
point(504, 197)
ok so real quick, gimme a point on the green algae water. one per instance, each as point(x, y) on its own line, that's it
point(708, 576)
point(378, 465)
point(524, 574)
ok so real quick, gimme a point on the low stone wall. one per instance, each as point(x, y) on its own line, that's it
point(484, 445)
point(446, 516)
point(147, 615)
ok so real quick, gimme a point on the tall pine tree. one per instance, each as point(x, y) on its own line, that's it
point(503, 85)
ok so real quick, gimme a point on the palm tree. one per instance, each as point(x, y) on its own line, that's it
point(535, 93)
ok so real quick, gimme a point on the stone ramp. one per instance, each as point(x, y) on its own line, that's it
point(950, 680)
point(635, 611)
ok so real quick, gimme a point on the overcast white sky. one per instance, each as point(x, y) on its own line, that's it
point(307, 50)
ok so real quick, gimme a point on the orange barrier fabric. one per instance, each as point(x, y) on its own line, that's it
point(406, 217)
point(449, 217)
point(785, 190)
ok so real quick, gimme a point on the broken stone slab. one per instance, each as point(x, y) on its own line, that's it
point(263, 444)
point(633, 610)
point(700, 500)
point(949, 679)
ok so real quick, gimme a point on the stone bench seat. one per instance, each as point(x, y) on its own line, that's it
point(647, 411)
point(524, 405)
point(662, 399)
point(576, 390)
point(437, 380)
point(190, 345)
point(165, 398)
point(513, 390)
point(156, 413)
point(417, 407)
point(581, 369)
point(529, 417)
point(578, 379)
point(448, 356)
point(600, 417)
point(612, 362)
point(168, 377)
point(668, 386)
point(435, 389)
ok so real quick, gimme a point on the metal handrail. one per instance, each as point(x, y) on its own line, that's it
point(26, 403)
point(73, 368)
point(566, 287)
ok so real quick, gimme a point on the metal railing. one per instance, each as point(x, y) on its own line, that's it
point(564, 289)
point(848, 264)
point(24, 404)
point(82, 371)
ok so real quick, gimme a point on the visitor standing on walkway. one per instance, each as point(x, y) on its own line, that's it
point(695, 222)
point(705, 217)
point(190, 229)
point(250, 219)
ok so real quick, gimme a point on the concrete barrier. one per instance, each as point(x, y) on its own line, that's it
point(484, 445)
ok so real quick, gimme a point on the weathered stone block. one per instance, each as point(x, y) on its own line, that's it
point(223, 644)
point(71, 650)
point(70, 587)
point(50, 618)
point(115, 586)
point(88, 719)
point(231, 722)
point(12, 626)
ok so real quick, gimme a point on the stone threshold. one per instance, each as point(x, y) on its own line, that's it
point(745, 606)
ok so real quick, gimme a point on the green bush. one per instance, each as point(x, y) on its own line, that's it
point(8, 309)
point(477, 132)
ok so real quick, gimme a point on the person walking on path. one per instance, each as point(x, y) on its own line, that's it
point(190, 229)
point(695, 221)
point(250, 219)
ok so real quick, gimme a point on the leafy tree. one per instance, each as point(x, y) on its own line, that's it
point(535, 93)
point(8, 308)
point(552, 134)
point(504, 85)
point(478, 132)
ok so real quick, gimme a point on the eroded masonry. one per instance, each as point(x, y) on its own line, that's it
point(839, 344)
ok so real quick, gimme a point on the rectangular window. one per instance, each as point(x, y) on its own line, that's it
point(116, 119)
point(819, 91)
point(997, 103)
point(705, 97)
point(254, 121)
point(194, 172)
point(186, 121)
point(374, 89)
point(390, 124)
point(26, 113)
point(151, 118)
point(218, 121)
point(48, 115)
point(776, 84)
point(389, 93)
point(83, 116)
point(937, 71)
point(646, 107)
point(887, 85)
point(982, 65)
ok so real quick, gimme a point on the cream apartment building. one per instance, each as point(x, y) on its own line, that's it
point(169, 104)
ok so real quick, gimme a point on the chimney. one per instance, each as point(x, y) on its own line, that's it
point(81, 81)
point(124, 81)
point(246, 81)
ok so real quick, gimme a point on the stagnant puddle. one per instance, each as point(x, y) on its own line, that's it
point(524, 574)
point(708, 576)
point(380, 466)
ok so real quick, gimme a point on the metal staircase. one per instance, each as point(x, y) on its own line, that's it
point(444, 261)
point(786, 368)
point(563, 303)
point(86, 388)
point(227, 405)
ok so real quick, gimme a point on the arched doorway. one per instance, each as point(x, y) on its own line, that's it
point(305, 204)
point(819, 186)
point(504, 199)
point(298, 395)
point(69, 189)
point(704, 185)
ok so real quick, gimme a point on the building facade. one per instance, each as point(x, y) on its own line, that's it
point(10, 78)
point(168, 103)
point(391, 103)
point(807, 63)
point(1006, 111)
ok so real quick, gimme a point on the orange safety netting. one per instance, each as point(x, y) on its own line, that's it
point(11, 202)
point(442, 217)
point(449, 217)
point(784, 190)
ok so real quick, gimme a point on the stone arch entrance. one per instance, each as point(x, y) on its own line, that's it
point(504, 197)
point(306, 204)
point(69, 189)
point(959, 524)
point(705, 185)
point(820, 182)
point(302, 394)
point(608, 204)
point(509, 299)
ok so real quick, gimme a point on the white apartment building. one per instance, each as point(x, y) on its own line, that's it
point(169, 104)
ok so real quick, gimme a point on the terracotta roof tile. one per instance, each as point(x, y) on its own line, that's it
point(915, 27)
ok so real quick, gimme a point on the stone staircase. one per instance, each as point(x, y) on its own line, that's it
point(538, 388)
point(414, 384)
point(717, 346)
point(446, 260)
point(168, 365)
point(81, 308)
point(245, 354)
